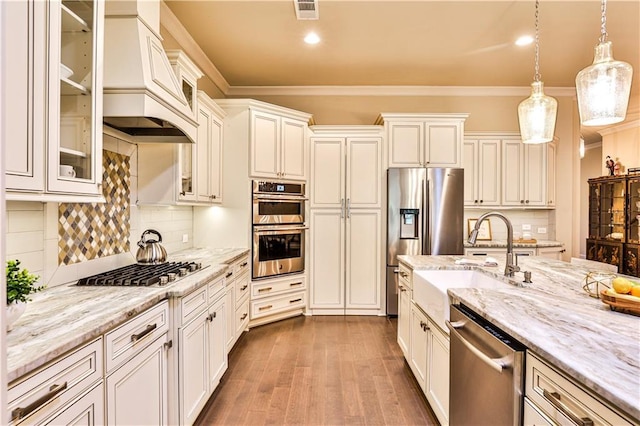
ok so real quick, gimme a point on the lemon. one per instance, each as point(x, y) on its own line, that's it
point(622, 285)
point(635, 290)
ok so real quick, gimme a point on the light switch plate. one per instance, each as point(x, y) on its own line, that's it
point(542, 230)
point(526, 227)
point(185, 238)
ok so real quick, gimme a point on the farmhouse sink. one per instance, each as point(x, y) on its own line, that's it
point(430, 289)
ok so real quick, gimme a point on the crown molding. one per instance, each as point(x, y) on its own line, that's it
point(498, 91)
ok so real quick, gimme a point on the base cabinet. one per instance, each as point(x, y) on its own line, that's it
point(419, 345)
point(193, 368)
point(437, 381)
point(404, 317)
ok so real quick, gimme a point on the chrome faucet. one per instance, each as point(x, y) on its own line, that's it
point(510, 267)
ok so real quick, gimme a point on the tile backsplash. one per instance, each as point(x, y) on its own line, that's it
point(536, 218)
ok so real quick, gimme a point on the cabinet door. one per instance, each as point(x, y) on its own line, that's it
point(470, 165)
point(75, 102)
point(217, 343)
point(443, 144)
point(363, 259)
point(215, 160)
point(404, 320)
point(489, 173)
point(327, 258)
point(420, 335)
point(406, 143)
point(203, 157)
point(193, 367)
point(535, 175)
point(24, 35)
point(230, 301)
point(265, 145)
point(327, 173)
point(364, 173)
point(437, 383)
point(551, 252)
point(512, 171)
point(551, 174)
point(294, 148)
point(188, 164)
point(88, 410)
point(137, 391)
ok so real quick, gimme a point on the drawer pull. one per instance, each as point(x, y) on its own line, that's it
point(149, 329)
point(243, 316)
point(243, 264)
point(403, 274)
point(295, 300)
point(295, 284)
point(555, 399)
point(260, 290)
point(19, 413)
point(243, 288)
point(262, 308)
point(228, 274)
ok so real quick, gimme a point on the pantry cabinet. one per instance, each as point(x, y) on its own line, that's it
point(424, 140)
point(346, 232)
point(481, 164)
point(56, 74)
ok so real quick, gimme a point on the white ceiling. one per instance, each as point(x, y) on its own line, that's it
point(413, 43)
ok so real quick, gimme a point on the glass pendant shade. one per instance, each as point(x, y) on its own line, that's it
point(603, 89)
point(537, 116)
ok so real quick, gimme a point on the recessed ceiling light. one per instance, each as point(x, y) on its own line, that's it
point(312, 38)
point(524, 40)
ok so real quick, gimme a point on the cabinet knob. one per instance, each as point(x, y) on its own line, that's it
point(481, 201)
point(527, 201)
point(182, 193)
point(475, 201)
point(521, 201)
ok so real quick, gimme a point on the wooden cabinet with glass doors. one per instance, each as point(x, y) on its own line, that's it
point(614, 228)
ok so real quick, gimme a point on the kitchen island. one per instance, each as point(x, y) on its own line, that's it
point(64, 317)
point(557, 320)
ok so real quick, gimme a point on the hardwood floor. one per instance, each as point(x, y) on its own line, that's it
point(321, 370)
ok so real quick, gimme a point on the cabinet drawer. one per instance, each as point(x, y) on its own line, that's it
point(132, 336)
point(192, 304)
point(242, 286)
point(55, 384)
point(405, 275)
point(240, 266)
point(215, 288)
point(533, 416)
point(559, 398)
point(270, 288)
point(264, 307)
point(242, 317)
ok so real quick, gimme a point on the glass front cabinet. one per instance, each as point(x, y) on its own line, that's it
point(614, 227)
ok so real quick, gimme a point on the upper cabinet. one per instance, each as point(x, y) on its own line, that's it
point(278, 138)
point(424, 140)
point(209, 150)
point(55, 74)
point(481, 164)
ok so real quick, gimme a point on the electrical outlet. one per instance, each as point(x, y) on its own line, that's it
point(542, 230)
point(185, 238)
point(526, 227)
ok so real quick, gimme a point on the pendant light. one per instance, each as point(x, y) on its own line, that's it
point(603, 87)
point(537, 113)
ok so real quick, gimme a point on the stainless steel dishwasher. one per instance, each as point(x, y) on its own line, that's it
point(487, 372)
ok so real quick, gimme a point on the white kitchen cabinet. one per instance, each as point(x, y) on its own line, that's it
point(269, 294)
point(69, 386)
point(230, 300)
point(209, 151)
point(217, 349)
point(237, 289)
point(346, 220)
point(429, 140)
point(525, 173)
point(481, 164)
point(420, 336)
point(551, 252)
point(404, 318)
point(137, 391)
point(437, 380)
point(551, 175)
point(278, 146)
point(60, 122)
point(193, 367)
point(554, 396)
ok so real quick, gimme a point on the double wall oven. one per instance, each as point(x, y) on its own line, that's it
point(278, 228)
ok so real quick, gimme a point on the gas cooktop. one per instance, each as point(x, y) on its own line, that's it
point(142, 275)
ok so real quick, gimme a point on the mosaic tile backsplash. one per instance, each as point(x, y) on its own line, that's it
point(91, 230)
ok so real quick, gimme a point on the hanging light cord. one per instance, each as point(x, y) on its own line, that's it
point(603, 22)
point(536, 76)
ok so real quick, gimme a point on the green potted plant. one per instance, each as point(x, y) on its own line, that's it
point(20, 284)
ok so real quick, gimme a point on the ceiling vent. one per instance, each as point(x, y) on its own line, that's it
point(306, 9)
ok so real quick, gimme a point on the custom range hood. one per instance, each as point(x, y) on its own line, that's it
point(142, 96)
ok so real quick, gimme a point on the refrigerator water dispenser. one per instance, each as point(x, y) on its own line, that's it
point(409, 224)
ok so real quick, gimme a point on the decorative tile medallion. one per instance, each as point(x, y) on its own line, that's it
point(91, 230)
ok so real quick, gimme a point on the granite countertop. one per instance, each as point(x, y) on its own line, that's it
point(555, 318)
point(63, 317)
point(503, 244)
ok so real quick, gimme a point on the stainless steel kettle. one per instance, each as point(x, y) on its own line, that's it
point(150, 251)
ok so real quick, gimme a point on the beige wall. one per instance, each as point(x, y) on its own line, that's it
point(590, 167)
point(622, 143)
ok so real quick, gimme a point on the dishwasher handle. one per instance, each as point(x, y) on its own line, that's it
point(497, 364)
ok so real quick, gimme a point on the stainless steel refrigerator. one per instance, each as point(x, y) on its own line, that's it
point(425, 216)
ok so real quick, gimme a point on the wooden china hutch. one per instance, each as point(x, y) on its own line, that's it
point(614, 222)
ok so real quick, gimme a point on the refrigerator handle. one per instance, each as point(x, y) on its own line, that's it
point(426, 238)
